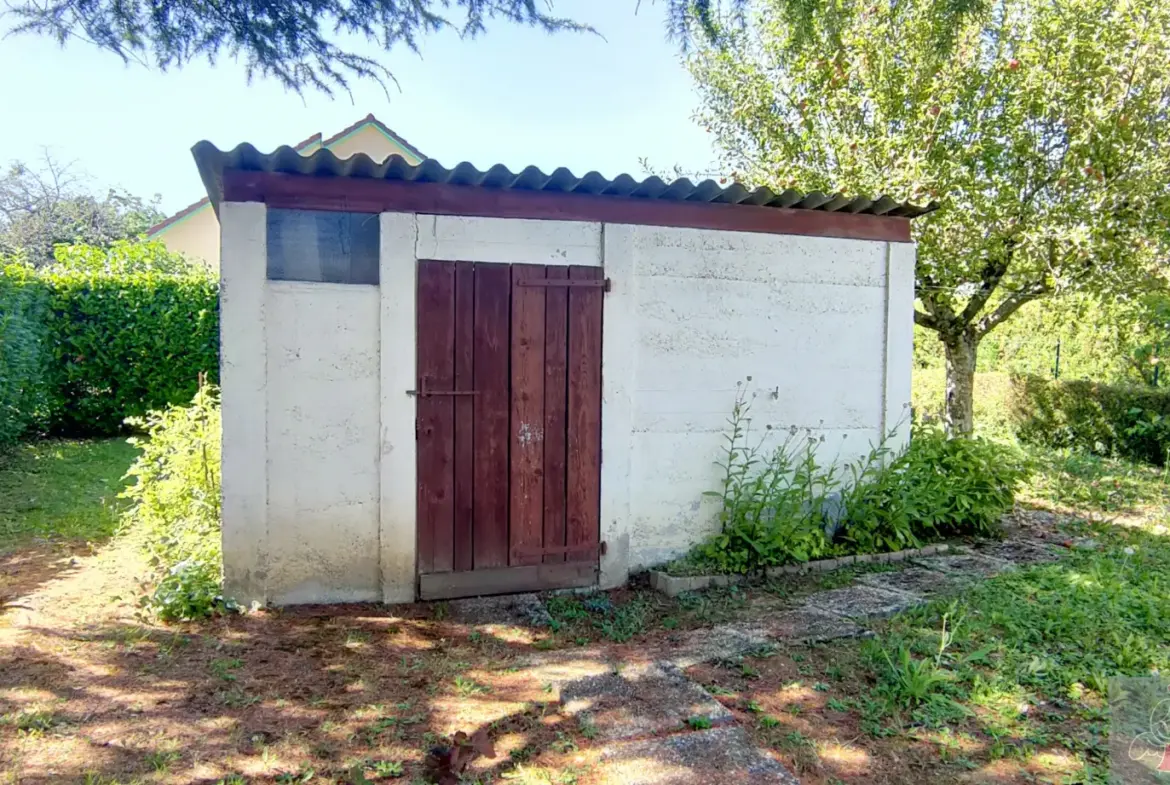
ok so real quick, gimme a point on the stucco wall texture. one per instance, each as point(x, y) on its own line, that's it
point(822, 326)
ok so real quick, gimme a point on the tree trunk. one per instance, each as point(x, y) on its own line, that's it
point(959, 413)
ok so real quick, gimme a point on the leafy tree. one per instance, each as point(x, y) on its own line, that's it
point(1041, 125)
point(295, 41)
point(43, 206)
point(124, 256)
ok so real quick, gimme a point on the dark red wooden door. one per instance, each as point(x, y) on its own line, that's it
point(509, 427)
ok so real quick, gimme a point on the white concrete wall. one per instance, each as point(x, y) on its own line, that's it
point(330, 516)
point(323, 445)
point(804, 317)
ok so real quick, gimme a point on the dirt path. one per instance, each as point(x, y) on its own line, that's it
point(89, 690)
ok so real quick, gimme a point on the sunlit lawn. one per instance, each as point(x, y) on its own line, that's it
point(63, 489)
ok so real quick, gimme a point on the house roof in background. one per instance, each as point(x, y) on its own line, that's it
point(212, 162)
point(315, 138)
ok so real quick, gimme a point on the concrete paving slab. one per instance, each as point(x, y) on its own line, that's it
point(812, 625)
point(966, 566)
point(1018, 552)
point(640, 701)
point(862, 601)
point(710, 757)
point(721, 642)
point(914, 580)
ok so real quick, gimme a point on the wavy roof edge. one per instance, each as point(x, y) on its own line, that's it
point(212, 162)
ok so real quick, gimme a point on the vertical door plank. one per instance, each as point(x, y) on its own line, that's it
point(464, 468)
point(493, 292)
point(526, 484)
point(584, 415)
point(556, 346)
point(436, 421)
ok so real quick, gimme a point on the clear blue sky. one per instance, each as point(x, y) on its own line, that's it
point(514, 96)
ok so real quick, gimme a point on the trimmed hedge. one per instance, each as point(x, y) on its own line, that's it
point(99, 347)
point(1128, 421)
point(23, 343)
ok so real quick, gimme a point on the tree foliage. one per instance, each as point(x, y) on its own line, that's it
point(1041, 125)
point(42, 206)
point(300, 42)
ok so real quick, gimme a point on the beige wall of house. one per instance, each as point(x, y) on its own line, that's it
point(197, 235)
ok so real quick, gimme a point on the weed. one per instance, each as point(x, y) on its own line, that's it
point(587, 727)
point(161, 760)
point(698, 723)
point(387, 768)
point(768, 721)
point(564, 744)
point(468, 687)
point(222, 668)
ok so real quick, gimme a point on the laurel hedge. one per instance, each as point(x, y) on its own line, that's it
point(82, 350)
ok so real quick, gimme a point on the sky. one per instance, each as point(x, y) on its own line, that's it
point(514, 96)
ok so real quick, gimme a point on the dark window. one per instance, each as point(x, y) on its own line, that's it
point(317, 245)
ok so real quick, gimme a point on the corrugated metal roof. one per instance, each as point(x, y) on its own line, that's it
point(212, 162)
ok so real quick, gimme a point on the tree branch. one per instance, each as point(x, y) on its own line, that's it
point(991, 275)
point(923, 319)
point(1010, 305)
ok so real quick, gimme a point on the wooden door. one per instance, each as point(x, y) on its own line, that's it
point(509, 427)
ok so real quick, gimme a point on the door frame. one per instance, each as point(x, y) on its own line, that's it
point(408, 237)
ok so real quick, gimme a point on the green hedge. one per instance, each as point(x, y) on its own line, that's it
point(94, 348)
point(1128, 421)
point(23, 343)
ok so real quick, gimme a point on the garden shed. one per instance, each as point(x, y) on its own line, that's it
point(452, 382)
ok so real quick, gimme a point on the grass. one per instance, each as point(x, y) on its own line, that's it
point(62, 489)
point(1007, 680)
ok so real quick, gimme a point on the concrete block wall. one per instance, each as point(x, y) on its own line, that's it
point(803, 317)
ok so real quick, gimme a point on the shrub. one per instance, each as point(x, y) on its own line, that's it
point(23, 352)
point(176, 505)
point(102, 335)
point(937, 487)
point(782, 505)
point(1127, 421)
point(124, 343)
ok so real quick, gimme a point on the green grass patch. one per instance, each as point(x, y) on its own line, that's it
point(63, 489)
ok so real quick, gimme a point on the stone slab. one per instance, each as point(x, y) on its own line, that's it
point(811, 625)
point(723, 641)
point(862, 601)
point(710, 757)
point(1018, 552)
point(640, 701)
point(913, 580)
point(966, 566)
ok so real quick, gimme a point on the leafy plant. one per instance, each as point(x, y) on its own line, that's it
point(102, 335)
point(785, 505)
point(1050, 168)
point(776, 501)
point(699, 723)
point(175, 506)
